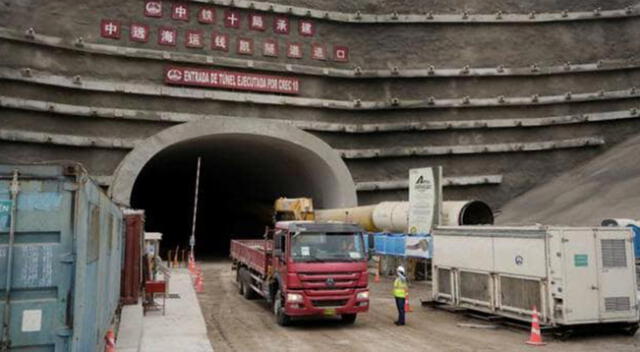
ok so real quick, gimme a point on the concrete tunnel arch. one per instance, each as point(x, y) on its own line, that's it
point(247, 163)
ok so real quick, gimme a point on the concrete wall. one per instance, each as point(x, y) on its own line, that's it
point(454, 6)
point(565, 79)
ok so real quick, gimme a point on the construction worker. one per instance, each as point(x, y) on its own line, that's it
point(400, 292)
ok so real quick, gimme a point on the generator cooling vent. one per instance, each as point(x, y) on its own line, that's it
point(614, 253)
point(475, 286)
point(520, 293)
point(444, 281)
point(617, 304)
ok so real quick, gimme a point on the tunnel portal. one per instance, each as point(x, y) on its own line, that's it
point(245, 166)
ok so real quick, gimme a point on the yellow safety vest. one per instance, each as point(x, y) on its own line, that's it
point(400, 288)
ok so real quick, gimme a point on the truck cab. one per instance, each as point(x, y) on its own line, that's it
point(321, 269)
point(310, 269)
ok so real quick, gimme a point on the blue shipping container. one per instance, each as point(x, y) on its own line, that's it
point(395, 244)
point(63, 267)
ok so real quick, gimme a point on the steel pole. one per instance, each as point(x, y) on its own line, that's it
point(192, 239)
point(15, 189)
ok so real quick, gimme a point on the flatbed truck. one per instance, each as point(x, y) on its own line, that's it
point(304, 269)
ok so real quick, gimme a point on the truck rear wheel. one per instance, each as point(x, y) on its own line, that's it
point(278, 309)
point(349, 318)
point(247, 291)
point(239, 280)
point(244, 284)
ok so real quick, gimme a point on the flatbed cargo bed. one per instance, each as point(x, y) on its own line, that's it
point(256, 254)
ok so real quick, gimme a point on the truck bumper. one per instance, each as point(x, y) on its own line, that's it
point(327, 305)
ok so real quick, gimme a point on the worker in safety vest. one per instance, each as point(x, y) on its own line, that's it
point(400, 292)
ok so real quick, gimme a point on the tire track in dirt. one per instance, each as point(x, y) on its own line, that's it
point(235, 324)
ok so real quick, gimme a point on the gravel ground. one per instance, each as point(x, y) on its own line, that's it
point(235, 324)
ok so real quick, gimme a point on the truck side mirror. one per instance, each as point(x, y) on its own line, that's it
point(278, 245)
point(371, 243)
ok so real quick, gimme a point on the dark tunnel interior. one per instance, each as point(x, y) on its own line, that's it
point(241, 176)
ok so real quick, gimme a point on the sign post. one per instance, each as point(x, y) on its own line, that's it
point(425, 197)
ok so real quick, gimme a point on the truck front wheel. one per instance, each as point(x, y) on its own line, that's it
point(278, 309)
point(349, 318)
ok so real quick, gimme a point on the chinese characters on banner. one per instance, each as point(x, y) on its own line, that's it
point(167, 36)
point(207, 15)
point(139, 32)
point(110, 29)
point(220, 41)
point(245, 46)
point(197, 38)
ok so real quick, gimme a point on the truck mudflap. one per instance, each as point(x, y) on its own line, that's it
point(332, 305)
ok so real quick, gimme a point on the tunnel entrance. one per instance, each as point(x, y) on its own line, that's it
point(241, 177)
point(245, 167)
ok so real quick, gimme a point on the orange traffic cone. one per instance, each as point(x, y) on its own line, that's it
point(407, 307)
point(536, 337)
point(192, 265)
point(110, 339)
point(377, 277)
point(198, 283)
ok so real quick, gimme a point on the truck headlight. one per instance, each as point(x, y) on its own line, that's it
point(294, 298)
point(363, 295)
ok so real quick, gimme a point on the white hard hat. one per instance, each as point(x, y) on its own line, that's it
point(400, 269)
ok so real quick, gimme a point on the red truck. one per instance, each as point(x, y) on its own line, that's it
point(305, 268)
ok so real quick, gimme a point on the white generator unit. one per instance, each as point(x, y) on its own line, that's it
point(573, 275)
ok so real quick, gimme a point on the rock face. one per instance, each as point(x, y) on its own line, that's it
point(503, 94)
point(601, 189)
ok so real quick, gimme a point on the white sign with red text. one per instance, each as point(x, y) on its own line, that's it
point(201, 77)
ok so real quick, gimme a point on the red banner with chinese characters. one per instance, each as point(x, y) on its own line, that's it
point(187, 76)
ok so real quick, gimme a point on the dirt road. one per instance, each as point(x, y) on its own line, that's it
point(235, 324)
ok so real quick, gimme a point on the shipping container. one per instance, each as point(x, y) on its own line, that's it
point(572, 275)
point(60, 259)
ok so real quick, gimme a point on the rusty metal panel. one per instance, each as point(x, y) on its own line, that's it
point(132, 266)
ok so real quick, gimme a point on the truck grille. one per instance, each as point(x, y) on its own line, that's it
point(329, 303)
point(329, 281)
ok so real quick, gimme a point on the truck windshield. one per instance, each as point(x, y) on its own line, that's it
point(326, 247)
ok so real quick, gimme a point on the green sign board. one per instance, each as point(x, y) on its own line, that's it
point(5, 213)
point(581, 260)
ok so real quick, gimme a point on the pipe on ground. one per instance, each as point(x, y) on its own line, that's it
point(394, 216)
